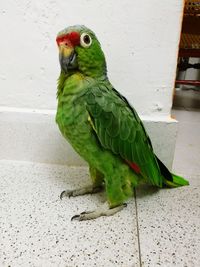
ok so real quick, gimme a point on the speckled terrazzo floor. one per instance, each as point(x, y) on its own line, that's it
point(35, 225)
point(160, 228)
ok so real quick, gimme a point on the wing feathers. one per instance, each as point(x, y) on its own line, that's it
point(120, 130)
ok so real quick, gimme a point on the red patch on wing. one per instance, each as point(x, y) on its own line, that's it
point(133, 166)
point(72, 38)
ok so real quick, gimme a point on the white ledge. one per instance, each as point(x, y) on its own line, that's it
point(32, 135)
point(4, 109)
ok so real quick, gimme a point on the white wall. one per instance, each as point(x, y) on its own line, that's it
point(140, 40)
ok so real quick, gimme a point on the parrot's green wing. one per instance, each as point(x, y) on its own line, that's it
point(120, 130)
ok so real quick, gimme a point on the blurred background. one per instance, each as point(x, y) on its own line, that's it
point(187, 89)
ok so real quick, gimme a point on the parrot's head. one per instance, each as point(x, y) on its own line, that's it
point(80, 51)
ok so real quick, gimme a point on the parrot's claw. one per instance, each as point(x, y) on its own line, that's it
point(103, 210)
point(82, 191)
point(75, 217)
point(66, 193)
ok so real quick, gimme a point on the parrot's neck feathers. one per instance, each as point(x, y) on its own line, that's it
point(61, 81)
point(73, 83)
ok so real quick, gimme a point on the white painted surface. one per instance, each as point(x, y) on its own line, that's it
point(34, 136)
point(140, 40)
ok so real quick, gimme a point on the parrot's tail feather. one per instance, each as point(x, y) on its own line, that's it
point(170, 179)
point(177, 181)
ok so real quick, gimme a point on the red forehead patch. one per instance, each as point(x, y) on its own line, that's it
point(72, 37)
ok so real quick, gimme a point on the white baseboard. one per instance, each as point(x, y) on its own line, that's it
point(32, 135)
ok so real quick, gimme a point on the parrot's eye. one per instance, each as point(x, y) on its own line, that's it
point(85, 40)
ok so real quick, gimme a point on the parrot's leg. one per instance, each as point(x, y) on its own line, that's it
point(103, 210)
point(97, 180)
point(96, 176)
point(91, 189)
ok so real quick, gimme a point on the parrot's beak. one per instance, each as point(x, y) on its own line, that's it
point(67, 57)
point(66, 44)
point(65, 50)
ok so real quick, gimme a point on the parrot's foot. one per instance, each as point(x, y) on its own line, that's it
point(81, 191)
point(103, 210)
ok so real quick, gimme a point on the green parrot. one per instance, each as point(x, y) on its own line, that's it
point(102, 127)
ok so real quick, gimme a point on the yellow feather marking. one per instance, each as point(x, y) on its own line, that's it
point(91, 123)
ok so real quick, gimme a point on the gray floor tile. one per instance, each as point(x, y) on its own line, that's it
point(35, 226)
point(187, 152)
point(169, 226)
point(169, 219)
point(187, 99)
point(186, 116)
